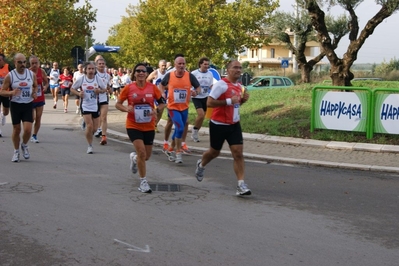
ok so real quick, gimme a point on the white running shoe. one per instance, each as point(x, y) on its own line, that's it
point(98, 133)
point(171, 156)
point(194, 135)
point(179, 158)
point(199, 171)
point(3, 119)
point(77, 110)
point(243, 190)
point(25, 151)
point(34, 139)
point(15, 157)
point(145, 187)
point(90, 150)
point(133, 162)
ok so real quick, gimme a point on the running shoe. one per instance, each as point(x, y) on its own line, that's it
point(179, 158)
point(133, 162)
point(98, 133)
point(55, 106)
point(156, 129)
point(194, 135)
point(77, 110)
point(199, 172)
point(34, 139)
point(15, 157)
point(65, 110)
point(90, 149)
point(171, 156)
point(25, 151)
point(103, 140)
point(165, 148)
point(185, 149)
point(82, 124)
point(243, 190)
point(145, 187)
point(3, 119)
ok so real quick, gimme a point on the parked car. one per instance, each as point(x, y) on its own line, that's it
point(269, 82)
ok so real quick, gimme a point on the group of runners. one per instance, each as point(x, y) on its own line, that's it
point(147, 94)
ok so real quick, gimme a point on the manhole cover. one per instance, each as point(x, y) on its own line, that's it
point(165, 187)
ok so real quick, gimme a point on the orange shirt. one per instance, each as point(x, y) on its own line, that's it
point(142, 100)
point(179, 92)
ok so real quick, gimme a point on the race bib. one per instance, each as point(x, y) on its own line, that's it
point(205, 89)
point(236, 114)
point(39, 90)
point(25, 92)
point(180, 95)
point(142, 113)
point(66, 83)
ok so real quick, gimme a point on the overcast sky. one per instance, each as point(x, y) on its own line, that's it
point(382, 45)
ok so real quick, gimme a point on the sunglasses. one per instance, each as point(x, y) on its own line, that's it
point(21, 62)
point(140, 71)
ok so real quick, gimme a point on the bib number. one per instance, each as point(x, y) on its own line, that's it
point(180, 96)
point(142, 113)
point(236, 114)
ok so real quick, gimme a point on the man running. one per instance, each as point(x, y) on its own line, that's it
point(54, 77)
point(76, 76)
point(39, 102)
point(103, 101)
point(5, 101)
point(226, 97)
point(156, 77)
point(205, 78)
point(90, 86)
point(179, 83)
point(21, 85)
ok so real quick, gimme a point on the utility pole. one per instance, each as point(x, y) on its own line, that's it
point(87, 49)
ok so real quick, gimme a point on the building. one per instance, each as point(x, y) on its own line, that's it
point(270, 55)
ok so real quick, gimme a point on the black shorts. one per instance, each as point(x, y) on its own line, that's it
point(5, 101)
point(93, 114)
point(200, 103)
point(21, 112)
point(219, 133)
point(116, 89)
point(65, 91)
point(146, 136)
point(77, 97)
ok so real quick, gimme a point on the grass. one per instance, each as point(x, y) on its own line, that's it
point(286, 112)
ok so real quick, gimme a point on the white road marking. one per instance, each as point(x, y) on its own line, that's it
point(133, 248)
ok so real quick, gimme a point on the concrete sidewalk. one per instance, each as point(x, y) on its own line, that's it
point(360, 156)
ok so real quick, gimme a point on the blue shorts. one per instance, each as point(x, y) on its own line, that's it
point(38, 104)
point(54, 86)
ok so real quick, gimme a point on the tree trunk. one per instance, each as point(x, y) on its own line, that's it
point(340, 74)
point(305, 72)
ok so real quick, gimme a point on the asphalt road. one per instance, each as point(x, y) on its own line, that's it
point(65, 207)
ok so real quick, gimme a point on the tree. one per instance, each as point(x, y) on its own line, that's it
point(48, 29)
point(300, 24)
point(340, 67)
point(157, 29)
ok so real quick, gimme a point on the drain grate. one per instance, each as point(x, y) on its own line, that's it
point(63, 128)
point(165, 187)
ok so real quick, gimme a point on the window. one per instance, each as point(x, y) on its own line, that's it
point(272, 52)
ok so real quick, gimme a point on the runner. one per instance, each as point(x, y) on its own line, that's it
point(140, 127)
point(226, 97)
point(116, 84)
point(179, 83)
point(103, 101)
point(5, 101)
point(54, 77)
point(39, 102)
point(156, 77)
point(76, 76)
point(66, 83)
point(20, 84)
point(90, 86)
point(205, 78)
